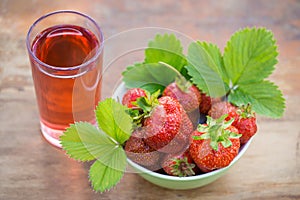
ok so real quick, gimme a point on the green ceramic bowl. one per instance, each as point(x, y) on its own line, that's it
point(184, 183)
point(178, 183)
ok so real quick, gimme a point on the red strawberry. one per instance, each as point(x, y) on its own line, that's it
point(138, 151)
point(180, 164)
point(164, 124)
point(142, 105)
point(245, 123)
point(206, 102)
point(181, 141)
point(244, 118)
point(132, 95)
point(215, 144)
point(221, 108)
point(186, 93)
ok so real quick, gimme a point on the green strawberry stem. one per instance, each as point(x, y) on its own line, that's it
point(147, 103)
point(171, 67)
point(183, 168)
point(180, 80)
point(144, 106)
point(217, 131)
point(245, 111)
point(183, 84)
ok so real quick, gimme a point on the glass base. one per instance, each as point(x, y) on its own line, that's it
point(51, 135)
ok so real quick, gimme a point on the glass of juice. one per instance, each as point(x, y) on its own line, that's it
point(65, 50)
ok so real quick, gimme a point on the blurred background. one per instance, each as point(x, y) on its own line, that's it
point(213, 21)
point(32, 169)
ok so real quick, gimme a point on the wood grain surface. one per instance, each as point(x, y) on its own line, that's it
point(32, 169)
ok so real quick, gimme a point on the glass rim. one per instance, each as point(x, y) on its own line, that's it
point(91, 60)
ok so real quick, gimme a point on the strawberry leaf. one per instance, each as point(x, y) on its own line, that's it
point(250, 56)
point(165, 48)
point(265, 97)
point(150, 76)
point(215, 53)
point(205, 68)
point(84, 142)
point(153, 87)
point(107, 172)
point(113, 119)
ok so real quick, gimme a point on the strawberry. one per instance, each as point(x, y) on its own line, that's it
point(181, 141)
point(163, 126)
point(138, 151)
point(245, 123)
point(186, 93)
point(215, 144)
point(221, 108)
point(132, 95)
point(244, 118)
point(141, 105)
point(205, 103)
point(180, 164)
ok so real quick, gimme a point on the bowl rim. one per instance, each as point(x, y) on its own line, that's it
point(144, 170)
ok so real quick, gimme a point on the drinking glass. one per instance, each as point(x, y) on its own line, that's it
point(66, 51)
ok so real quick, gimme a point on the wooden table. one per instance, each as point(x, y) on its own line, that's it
point(32, 169)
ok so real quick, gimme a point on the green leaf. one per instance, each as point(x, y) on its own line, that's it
point(221, 120)
point(84, 142)
point(206, 70)
point(152, 76)
point(165, 48)
point(250, 56)
point(214, 144)
point(144, 104)
point(205, 136)
point(153, 87)
point(228, 123)
point(226, 142)
point(107, 172)
point(265, 97)
point(215, 54)
point(113, 119)
point(233, 134)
